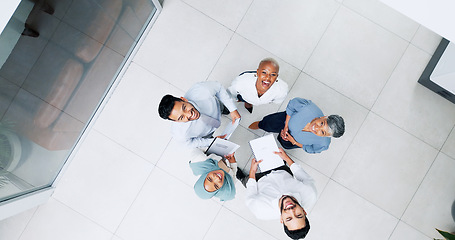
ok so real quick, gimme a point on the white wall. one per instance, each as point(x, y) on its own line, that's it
point(436, 15)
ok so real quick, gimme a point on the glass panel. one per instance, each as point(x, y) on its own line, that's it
point(57, 61)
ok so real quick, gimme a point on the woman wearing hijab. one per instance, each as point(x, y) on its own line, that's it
point(217, 179)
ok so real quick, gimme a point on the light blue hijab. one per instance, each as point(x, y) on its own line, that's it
point(225, 193)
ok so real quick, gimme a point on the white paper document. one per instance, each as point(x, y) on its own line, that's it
point(230, 129)
point(221, 147)
point(263, 149)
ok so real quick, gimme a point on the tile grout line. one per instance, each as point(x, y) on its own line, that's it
point(322, 35)
point(134, 201)
point(83, 216)
point(28, 222)
point(246, 220)
point(390, 75)
point(211, 224)
point(417, 189)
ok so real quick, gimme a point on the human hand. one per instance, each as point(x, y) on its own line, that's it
point(254, 167)
point(284, 134)
point(234, 115)
point(230, 157)
point(284, 156)
point(290, 138)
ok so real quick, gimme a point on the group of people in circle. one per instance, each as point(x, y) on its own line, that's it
point(281, 193)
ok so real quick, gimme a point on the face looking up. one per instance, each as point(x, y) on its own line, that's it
point(319, 127)
point(267, 74)
point(183, 111)
point(292, 214)
point(214, 180)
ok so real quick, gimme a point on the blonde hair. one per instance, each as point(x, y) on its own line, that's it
point(269, 59)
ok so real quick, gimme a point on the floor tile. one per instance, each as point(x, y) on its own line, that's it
point(179, 52)
point(242, 137)
point(449, 145)
point(437, 185)
point(107, 168)
point(330, 102)
point(131, 116)
point(237, 206)
point(175, 161)
point(426, 40)
point(297, 24)
point(320, 180)
point(228, 13)
point(164, 205)
point(92, 16)
point(228, 225)
point(341, 214)
point(116, 238)
point(411, 106)
point(7, 92)
point(60, 7)
point(12, 228)
point(385, 16)
point(231, 65)
point(383, 156)
point(347, 64)
point(242, 55)
point(92, 87)
point(55, 221)
point(404, 231)
point(45, 75)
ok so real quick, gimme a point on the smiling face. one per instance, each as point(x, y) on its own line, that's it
point(292, 214)
point(319, 127)
point(267, 73)
point(214, 180)
point(183, 111)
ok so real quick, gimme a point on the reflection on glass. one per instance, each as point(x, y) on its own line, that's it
point(54, 77)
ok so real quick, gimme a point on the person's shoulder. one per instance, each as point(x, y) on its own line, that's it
point(179, 128)
point(247, 73)
point(245, 79)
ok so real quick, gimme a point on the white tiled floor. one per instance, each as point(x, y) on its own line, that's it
point(390, 176)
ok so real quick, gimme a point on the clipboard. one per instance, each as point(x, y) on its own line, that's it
point(221, 147)
point(230, 129)
point(263, 149)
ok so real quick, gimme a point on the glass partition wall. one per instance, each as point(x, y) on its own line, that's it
point(60, 57)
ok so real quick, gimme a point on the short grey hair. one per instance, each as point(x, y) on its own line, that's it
point(269, 59)
point(336, 125)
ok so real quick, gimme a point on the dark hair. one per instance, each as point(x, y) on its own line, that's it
point(336, 124)
point(299, 233)
point(166, 106)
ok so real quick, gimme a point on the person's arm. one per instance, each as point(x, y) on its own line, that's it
point(315, 148)
point(179, 133)
point(285, 131)
point(197, 142)
point(232, 165)
point(282, 154)
point(233, 89)
point(253, 199)
point(296, 169)
point(295, 105)
point(251, 185)
point(254, 168)
point(221, 93)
